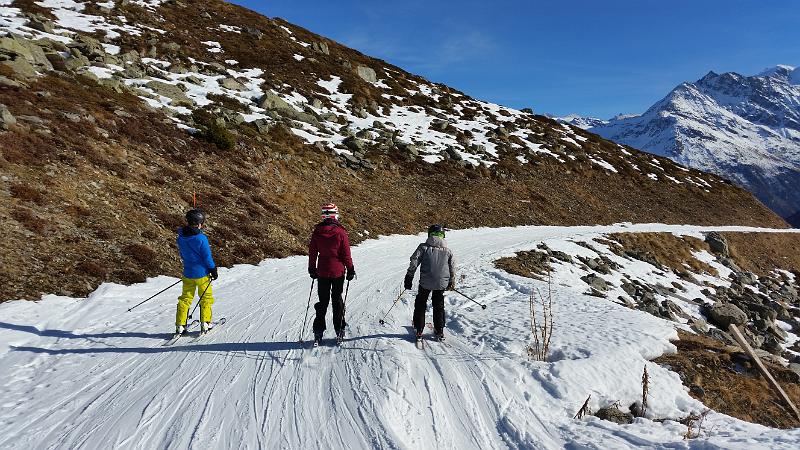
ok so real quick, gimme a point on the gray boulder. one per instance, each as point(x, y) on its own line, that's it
point(40, 23)
point(172, 92)
point(6, 118)
point(75, 63)
point(718, 243)
point(271, 100)
point(367, 74)
point(725, 314)
point(232, 84)
point(595, 282)
point(321, 47)
point(88, 46)
point(355, 144)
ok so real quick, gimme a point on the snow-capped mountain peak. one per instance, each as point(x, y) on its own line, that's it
point(746, 128)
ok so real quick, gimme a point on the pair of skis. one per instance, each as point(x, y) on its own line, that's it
point(175, 338)
point(318, 343)
point(419, 340)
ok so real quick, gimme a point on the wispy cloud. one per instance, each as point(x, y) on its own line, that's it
point(452, 49)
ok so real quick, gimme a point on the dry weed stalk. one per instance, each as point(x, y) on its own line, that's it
point(541, 328)
point(584, 409)
point(692, 421)
point(645, 389)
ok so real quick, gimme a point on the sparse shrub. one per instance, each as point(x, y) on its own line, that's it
point(584, 411)
point(29, 220)
point(170, 220)
point(142, 254)
point(212, 131)
point(91, 268)
point(694, 424)
point(541, 312)
point(130, 276)
point(28, 193)
point(218, 135)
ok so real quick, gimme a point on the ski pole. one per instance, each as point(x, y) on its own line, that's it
point(470, 298)
point(305, 319)
point(390, 308)
point(154, 295)
point(189, 316)
point(344, 306)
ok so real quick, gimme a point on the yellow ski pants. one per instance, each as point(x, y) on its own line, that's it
point(190, 286)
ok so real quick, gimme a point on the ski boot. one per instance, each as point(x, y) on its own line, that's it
point(439, 335)
point(317, 339)
point(205, 327)
point(180, 330)
point(339, 337)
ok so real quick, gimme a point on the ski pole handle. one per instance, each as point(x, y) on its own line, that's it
point(153, 296)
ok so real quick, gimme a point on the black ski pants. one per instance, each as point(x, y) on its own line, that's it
point(421, 304)
point(327, 288)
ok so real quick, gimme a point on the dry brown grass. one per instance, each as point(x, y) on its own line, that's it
point(666, 249)
point(732, 384)
point(761, 253)
point(530, 264)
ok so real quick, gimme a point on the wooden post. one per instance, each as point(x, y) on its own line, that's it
point(761, 367)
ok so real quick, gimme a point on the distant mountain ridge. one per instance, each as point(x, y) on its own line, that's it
point(745, 128)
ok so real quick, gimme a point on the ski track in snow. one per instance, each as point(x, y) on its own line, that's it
point(84, 374)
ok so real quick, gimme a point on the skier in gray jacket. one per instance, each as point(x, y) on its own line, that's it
point(438, 273)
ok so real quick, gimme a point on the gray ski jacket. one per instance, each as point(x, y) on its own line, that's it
point(438, 265)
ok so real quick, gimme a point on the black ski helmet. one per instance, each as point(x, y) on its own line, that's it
point(436, 230)
point(195, 217)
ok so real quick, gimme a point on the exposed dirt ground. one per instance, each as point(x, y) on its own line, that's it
point(730, 383)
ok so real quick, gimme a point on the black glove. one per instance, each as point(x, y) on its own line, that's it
point(351, 273)
point(312, 272)
point(212, 273)
point(408, 283)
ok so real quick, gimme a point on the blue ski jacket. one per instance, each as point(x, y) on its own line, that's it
point(195, 252)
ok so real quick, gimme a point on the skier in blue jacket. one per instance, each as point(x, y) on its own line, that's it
point(198, 271)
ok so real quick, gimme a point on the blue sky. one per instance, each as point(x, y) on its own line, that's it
point(596, 58)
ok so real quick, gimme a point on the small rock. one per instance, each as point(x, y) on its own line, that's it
point(355, 144)
point(6, 118)
point(697, 391)
point(232, 84)
point(613, 414)
point(595, 282)
point(321, 47)
point(172, 92)
point(699, 325)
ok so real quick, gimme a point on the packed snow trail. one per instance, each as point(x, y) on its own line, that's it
point(83, 373)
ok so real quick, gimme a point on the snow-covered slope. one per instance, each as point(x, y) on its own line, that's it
point(744, 128)
point(84, 374)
